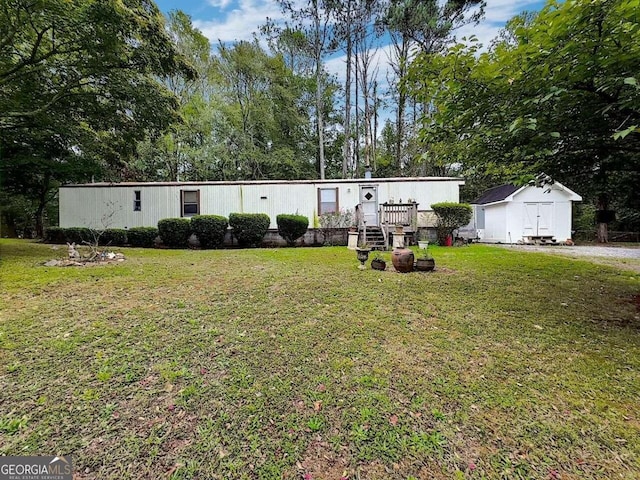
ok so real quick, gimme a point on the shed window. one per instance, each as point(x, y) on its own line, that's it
point(137, 201)
point(190, 202)
point(327, 200)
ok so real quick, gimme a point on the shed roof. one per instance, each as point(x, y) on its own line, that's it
point(495, 194)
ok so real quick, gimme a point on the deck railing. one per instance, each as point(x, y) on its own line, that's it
point(405, 214)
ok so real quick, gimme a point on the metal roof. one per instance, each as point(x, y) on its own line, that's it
point(269, 182)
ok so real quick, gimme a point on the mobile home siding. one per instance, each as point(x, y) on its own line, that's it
point(111, 205)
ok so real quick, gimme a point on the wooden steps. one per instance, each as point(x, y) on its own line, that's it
point(375, 238)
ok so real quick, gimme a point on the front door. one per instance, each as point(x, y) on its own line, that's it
point(369, 204)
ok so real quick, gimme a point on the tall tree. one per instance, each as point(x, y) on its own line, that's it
point(78, 83)
point(559, 94)
point(313, 18)
point(428, 27)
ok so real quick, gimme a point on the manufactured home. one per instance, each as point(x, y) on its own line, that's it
point(375, 201)
point(527, 214)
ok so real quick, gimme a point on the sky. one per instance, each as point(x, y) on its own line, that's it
point(229, 20)
point(233, 20)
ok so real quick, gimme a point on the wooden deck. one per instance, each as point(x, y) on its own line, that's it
point(390, 215)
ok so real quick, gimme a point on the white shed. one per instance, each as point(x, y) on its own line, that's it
point(143, 204)
point(510, 214)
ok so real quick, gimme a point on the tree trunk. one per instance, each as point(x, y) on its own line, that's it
point(347, 113)
point(375, 126)
point(42, 203)
point(357, 114)
point(403, 53)
point(318, 59)
point(603, 228)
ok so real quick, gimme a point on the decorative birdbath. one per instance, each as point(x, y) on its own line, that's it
point(363, 256)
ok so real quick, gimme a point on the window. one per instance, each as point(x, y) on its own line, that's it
point(327, 200)
point(137, 201)
point(190, 202)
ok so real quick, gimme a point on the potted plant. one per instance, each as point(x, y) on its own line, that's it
point(423, 241)
point(362, 252)
point(425, 262)
point(378, 262)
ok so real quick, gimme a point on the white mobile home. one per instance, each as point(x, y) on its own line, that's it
point(142, 204)
point(511, 214)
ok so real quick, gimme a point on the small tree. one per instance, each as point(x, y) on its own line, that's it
point(292, 227)
point(451, 216)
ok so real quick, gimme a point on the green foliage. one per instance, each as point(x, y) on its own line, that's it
point(292, 227)
point(174, 232)
point(557, 92)
point(69, 70)
point(450, 217)
point(210, 229)
point(55, 235)
point(113, 237)
point(78, 235)
point(249, 228)
point(142, 236)
point(334, 223)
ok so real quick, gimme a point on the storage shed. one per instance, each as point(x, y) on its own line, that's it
point(142, 204)
point(528, 214)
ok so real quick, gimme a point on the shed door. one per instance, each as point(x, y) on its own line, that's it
point(545, 212)
point(369, 202)
point(538, 219)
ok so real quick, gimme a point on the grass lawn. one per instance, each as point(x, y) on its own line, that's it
point(292, 363)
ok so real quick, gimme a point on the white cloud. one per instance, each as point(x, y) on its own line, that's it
point(221, 4)
point(241, 22)
point(496, 14)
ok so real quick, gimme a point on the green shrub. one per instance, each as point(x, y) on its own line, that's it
point(451, 216)
point(55, 235)
point(249, 228)
point(79, 235)
point(175, 232)
point(142, 236)
point(292, 227)
point(209, 229)
point(115, 237)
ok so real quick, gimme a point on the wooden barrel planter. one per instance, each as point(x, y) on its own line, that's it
point(402, 259)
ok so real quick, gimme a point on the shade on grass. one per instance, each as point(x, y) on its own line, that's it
point(278, 363)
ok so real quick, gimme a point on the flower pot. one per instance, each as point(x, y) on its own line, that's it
point(425, 265)
point(402, 259)
point(378, 264)
point(363, 256)
point(422, 244)
point(399, 229)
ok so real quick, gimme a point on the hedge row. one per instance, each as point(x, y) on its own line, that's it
point(248, 228)
point(117, 237)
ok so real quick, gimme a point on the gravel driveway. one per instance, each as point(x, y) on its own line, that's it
point(583, 250)
point(627, 258)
